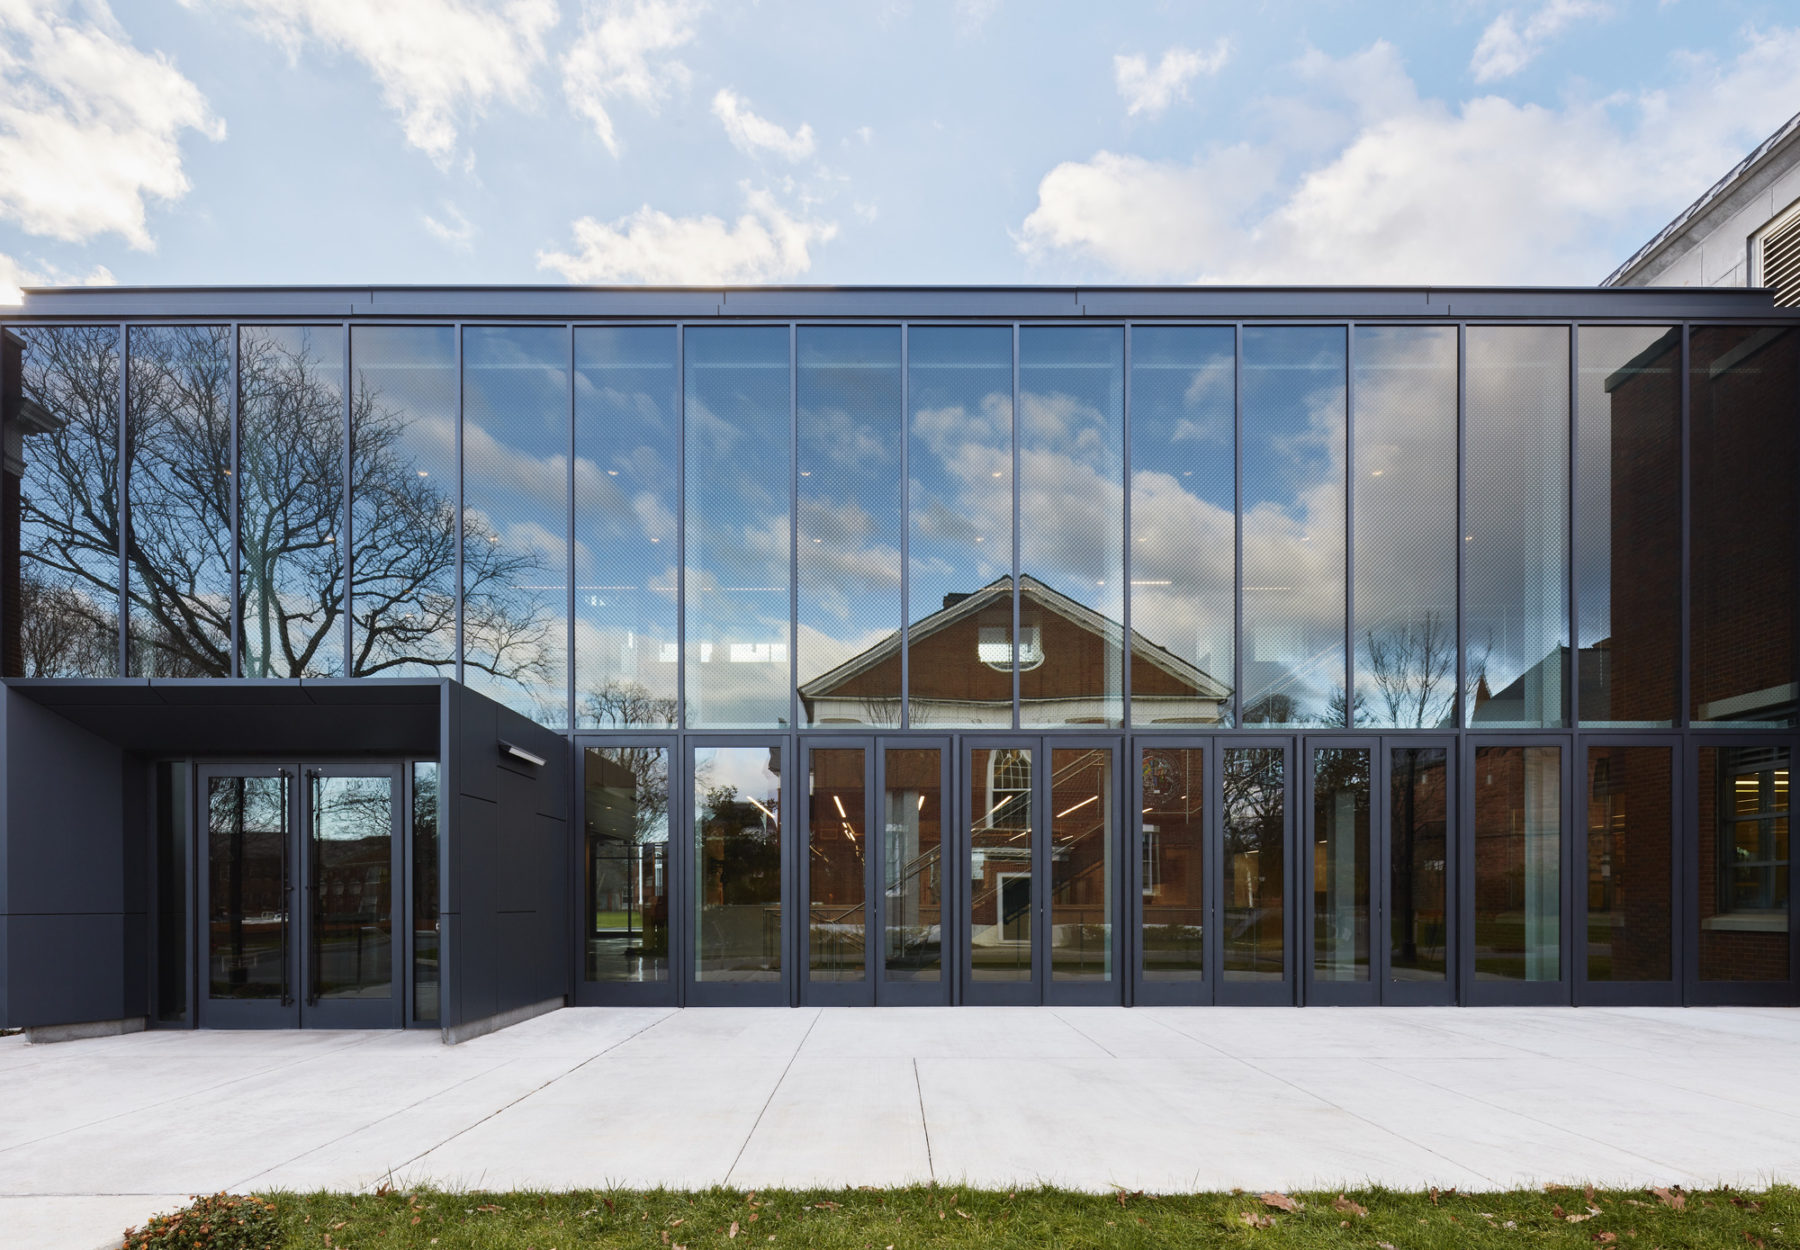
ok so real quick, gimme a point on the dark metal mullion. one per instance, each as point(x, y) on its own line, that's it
point(1459, 865)
point(792, 918)
point(793, 526)
point(1125, 568)
point(234, 651)
point(347, 521)
point(569, 538)
point(1687, 831)
point(1571, 463)
point(122, 485)
point(1349, 602)
point(1683, 676)
point(681, 529)
point(1017, 719)
point(906, 537)
point(1237, 532)
point(461, 586)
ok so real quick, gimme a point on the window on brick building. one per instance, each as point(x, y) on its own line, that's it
point(1753, 842)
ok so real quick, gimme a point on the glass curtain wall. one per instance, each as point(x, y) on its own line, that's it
point(625, 806)
point(1183, 524)
point(1404, 503)
point(627, 526)
point(291, 518)
point(1071, 525)
point(1292, 466)
point(960, 527)
point(1515, 545)
point(738, 422)
point(1628, 525)
point(847, 528)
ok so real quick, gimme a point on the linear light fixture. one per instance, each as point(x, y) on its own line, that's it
point(520, 753)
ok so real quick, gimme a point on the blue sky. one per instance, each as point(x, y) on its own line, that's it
point(959, 141)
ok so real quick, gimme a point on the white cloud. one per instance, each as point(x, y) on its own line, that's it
point(455, 232)
point(1506, 48)
point(972, 15)
point(753, 135)
point(766, 244)
point(623, 51)
point(15, 275)
point(436, 60)
point(1421, 190)
point(89, 125)
point(1150, 91)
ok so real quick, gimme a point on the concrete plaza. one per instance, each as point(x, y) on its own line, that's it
point(101, 1133)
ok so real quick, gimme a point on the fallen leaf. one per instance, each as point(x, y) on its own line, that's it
point(826, 1206)
point(1510, 1224)
point(1587, 1195)
point(962, 1213)
point(1261, 1221)
point(1344, 1204)
point(1671, 1198)
point(1385, 1245)
point(733, 1230)
point(1434, 1194)
point(673, 1223)
point(754, 1216)
point(1281, 1202)
point(1605, 1239)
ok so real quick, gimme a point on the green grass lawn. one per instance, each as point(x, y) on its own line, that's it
point(872, 1219)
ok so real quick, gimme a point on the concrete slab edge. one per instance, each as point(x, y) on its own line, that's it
point(39, 1034)
point(506, 1019)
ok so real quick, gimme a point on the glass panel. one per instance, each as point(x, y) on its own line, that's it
point(914, 871)
point(172, 916)
point(1293, 519)
point(291, 500)
point(960, 460)
point(1183, 524)
point(737, 843)
point(1743, 885)
point(61, 406)
point(1628, 524)
point(1083, 820)
point(1174, 848)
point(1418, 828)
point(1744, 415)
point(625, 797)
point(353, 887)
point(1340, 829)
point(178, 439)
point(1000, 863)
point(516, 518)
point(1518, 875)
point(1071, 524)
point(738, 528)
point(247, 887)
point(403, 501)
point(627, 510)
point(1405, 502)
point(426, 980)
point(1629, 858)
point(835, 857)
point(848, 544)
point(1255, 864)
point(1516, 564)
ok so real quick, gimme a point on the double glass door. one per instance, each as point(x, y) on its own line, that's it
point(301, 885)
point(1314, 870)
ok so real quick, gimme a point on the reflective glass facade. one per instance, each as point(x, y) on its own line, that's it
point(1076, 660)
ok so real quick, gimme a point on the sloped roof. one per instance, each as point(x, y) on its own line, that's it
point(1142, 650)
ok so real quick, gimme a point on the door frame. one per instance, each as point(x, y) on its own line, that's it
point(1516, 993)
point(685, 910)
point(1631, 993)
point(1286, 991)
point(835, 993)
point(1366, 992)
point(1441, 993)
point(1187, 991)
point(357, 1013)
point(260, 1013)
point(998, 993)
point(1696, 992)
point(666, 992)
point(941, 992)
point(1088, 993)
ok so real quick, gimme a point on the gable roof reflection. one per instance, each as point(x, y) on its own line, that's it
point(1050, 615)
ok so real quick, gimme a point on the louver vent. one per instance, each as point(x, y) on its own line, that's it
point(1781, 261)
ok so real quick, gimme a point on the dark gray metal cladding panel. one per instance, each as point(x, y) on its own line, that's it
point(65, 816)
point(6, 1020)
point(519, 946)
point(88, 691)
point(450, 936)
point(67, 969)
point(519, 857)
point(475, 862)
point(477, 960)
point(572, 303)
point(209, 302)
point(909, 302)
point(1231, 303)
point(135, 965)
point(478, 742)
